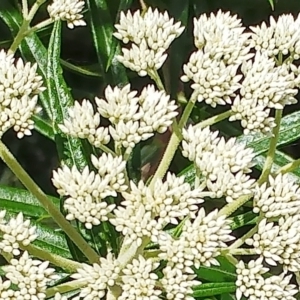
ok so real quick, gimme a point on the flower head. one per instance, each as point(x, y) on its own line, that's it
point(278, 243)
point(83, 123)
point(213, 81)
point(251, 283)
point(222, 36)
point(98, 277)
point(199, 242)
point(135, 119)
point(278, 197)
point(224, 165)
point(19, 87)
point(16, 232)
point(151, 35)
point(168, 201)
point(138, 281)
point(178, 285)
point(281, 36)
point(87, 190)
point(30, 277)
point(67, 10)
point(136, 223)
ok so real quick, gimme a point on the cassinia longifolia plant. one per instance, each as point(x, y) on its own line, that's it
point(164, 233)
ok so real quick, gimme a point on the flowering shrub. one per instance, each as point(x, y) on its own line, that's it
point(172, 235)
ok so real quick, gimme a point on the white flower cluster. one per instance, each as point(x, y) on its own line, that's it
point(26, 279)
point(67, 10)
point(264, 82)
point(97, 277)
point(142, 215)
point(19, 87)
point(135, 286)
point(264, 86)
point(87, 190)
point(146, 211)
point(150, 34)
point(279, 243)
point(198, 244)
point(222, 47)
point(278, 197)
point(253, 285)
point(177, 284)
point(280, 37)
point(136, 280)
point(133, 119)
point(15, 232)
point(224, 165)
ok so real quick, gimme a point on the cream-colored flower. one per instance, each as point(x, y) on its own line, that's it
point(67, 10)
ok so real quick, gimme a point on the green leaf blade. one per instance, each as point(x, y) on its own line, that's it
point(212, 289)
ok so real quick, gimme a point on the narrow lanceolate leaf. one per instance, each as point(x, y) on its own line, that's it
point(19, 200)
point(215, 274)
point(248, 218)
point(43, 127)
point(60, 99)
point(51, 241)
point(212, 289)
point(289, 132)
point(102, 25)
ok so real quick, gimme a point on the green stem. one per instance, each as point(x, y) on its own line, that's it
point(6, 256)
point(64, 263)
point(231, 259)
point(39, 26)
point(289, 167)
point(155, 76)
point(25, 8)
point(25, 26)
point(65, 287)
point(57, 216)
point(231, 207)
point(107, 150)
point(240, 251)
point(19, 37)
point(271, 153)
point(143, 6)
point(246, 236)
point(173, 143)
point(214, 119)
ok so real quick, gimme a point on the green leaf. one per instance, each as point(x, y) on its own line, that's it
point(102, 25)
point(227, 297)
point(211, 289)
point(272, 4)
point(60, 99)
point(248, 218)
point(215, 274)
point(19, 200)
point(43, 127)
point(52, 241)
point(83, 70)
point(189, 174)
